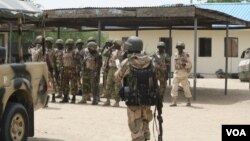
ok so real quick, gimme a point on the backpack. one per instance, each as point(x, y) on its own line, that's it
point(140, 87)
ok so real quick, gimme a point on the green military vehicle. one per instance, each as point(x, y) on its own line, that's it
point(23, 86)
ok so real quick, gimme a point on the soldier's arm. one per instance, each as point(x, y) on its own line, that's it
point(188, 63)
point(123, 71)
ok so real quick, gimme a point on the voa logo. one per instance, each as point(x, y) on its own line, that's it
point(236, 132)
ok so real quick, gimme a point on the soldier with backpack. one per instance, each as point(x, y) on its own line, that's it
point(140, 90)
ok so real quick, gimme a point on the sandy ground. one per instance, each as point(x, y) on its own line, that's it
point(201, 122)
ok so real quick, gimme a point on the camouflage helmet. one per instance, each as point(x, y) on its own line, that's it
point(134, 44)
point(79, 41)
point(59, 41)
point(39, 39)
point(161, 45)
point(180, 45)
point(92, 45)
point(49, 39)
point(118, 42)
point(69, 41)
point(91, 39)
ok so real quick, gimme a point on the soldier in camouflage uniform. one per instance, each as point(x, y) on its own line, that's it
point(59, 66)
point(37, 51)
point(79, 57)
point(69, 72)
point(161, 61)
point(183, 67)
point(50, 60)
point(113, 86)
point(92, 61)
point(138, 116)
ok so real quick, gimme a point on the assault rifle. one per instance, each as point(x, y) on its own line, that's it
point(159, 106)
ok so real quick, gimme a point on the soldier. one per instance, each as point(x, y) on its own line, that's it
point(59, 66)
point(113, 86)
point(69, 72)
point(92, 61)
point(161, 61)
point(37, 51)
point(183, 67)
point(137, 88)
point(50, 60)
point(79, 57)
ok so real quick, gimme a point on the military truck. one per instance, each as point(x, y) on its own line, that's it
point(23, 86)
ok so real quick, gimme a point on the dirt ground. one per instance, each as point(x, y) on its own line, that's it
point(201, 122)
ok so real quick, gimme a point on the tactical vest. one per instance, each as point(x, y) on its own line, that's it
point(140, 87)
point(69, 60)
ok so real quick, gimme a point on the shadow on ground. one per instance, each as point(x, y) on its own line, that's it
point(43, 139)
point(213, 96)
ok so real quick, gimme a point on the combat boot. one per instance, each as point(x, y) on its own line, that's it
point(95, 101)
point(188, 102)
point(88, 98)
point(107, 103)
point(46, 102)
point(59, 96)
point(174, 104)
point(65, 99)
point(116, 104)
point(83, 100)
point(73, 100)
point(53, 98)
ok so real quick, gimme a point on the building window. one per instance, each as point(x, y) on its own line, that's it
point(2, 40)
point(232, 47)
point(205, 47)
point(168, 42)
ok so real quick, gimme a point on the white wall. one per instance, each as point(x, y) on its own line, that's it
point(204, 64)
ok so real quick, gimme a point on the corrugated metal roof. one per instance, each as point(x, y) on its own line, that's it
point(18, 6)
point(238, 10)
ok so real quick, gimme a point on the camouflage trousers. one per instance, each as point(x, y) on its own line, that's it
point(58, 79)
point(79, 78)
point(163, 85)
point(138, 122)
point(185, 84)
point(69, 80)
point(52, 83)
point(112, 85)
point(89, 83)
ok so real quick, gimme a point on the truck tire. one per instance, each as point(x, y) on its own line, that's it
point(15, 125)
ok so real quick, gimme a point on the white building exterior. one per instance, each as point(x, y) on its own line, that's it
point(205, 65)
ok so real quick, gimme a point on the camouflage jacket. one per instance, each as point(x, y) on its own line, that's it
point(92, 61)
point(161, 62)
point(182, 62)
point(37, 53)
point(69, 59)
point(138, 61)
point(79, 58)
point(58, 59)
point(115, 55)
point(50, 58)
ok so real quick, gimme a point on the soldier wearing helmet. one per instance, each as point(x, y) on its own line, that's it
point(161, 62)
point(59, 66)
point(92, 61)
point(183, 68)
point(37, 51)
point(69, 72)
point(138, 71)
point(79, 67)
point(112, 87)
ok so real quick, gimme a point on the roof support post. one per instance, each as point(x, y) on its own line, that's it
point(195, 56)
point(9, 48)
point(226, 61)
point(137, 32)
point(58, 32)
point(170, 48)
point(99, 33)
point(20, 49)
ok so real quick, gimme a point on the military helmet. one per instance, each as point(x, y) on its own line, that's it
point(91, 39)
point(92, 45)
point(134, 44)
point(161, 45)
point(69, 41)
point(49, 39)
point(79, 41)
point(39, 39)
point(118, 42)
point(180, 45)
point(59, 41)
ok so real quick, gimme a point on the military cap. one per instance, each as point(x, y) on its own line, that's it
point(161, 44)
point(39, 39)
point(91, 39)
point(92, 45)
point(59, 41)
point(49, 39)
point(69, 41)
point(180, 45)
point(79, 41)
